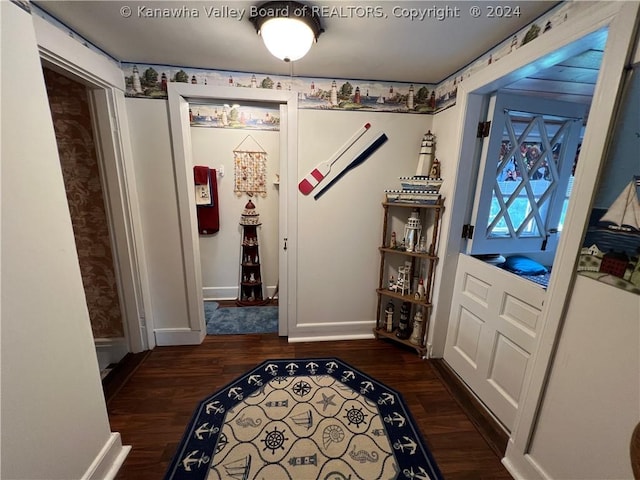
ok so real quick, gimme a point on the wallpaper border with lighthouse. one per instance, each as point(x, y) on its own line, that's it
point(150, 80)
point(335, 93)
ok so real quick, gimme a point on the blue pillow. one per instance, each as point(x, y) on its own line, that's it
point(523, 265)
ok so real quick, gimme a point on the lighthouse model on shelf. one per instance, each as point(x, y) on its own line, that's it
point(413, 231)
point(250, 285)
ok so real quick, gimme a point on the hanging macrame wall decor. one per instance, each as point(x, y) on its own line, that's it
point(250, 163)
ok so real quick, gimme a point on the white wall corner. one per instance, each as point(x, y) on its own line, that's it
point(108, 462)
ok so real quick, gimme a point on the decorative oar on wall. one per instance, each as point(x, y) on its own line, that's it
point(359, 159)
point(308, 183)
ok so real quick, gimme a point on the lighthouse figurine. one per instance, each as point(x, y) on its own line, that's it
point(413, 231)
point(389, 317)
point(417, 328)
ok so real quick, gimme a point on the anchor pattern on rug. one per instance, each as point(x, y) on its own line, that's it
point(313, 418)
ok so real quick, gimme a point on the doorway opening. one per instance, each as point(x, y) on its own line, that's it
point(84, 185)
point(237, 145)
point(181, 96)
point(525, 169)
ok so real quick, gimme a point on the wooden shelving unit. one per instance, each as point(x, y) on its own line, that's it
point(250, 291)
point(423, 265)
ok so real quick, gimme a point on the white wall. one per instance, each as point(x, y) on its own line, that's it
point(592, 401)
point(54, 418)
point(220, 252)
point(339, 234)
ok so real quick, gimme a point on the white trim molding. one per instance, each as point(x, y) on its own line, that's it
point(333, 338)
point(315, 332)
point(110, 350)
point(179, 336)
point(111, 457)
point(621, 20)
point(105, 82)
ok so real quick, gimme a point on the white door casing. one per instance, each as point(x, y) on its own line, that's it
point(105, 82)
point(179, 95)
point(620, 19)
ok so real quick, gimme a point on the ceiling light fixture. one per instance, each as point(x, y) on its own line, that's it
point(288, 29)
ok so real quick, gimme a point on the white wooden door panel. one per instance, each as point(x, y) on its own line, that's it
point(493, 329)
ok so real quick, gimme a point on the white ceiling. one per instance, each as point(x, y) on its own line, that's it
point(391, 49)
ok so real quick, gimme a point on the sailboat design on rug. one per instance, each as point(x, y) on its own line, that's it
point(624, 213)
point(300, 419)
point(239, 469)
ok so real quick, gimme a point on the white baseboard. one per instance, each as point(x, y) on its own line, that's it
point(331, 338)
point(109, 460)
point(228, 293)
point(320, 332)
point(219, 293)
point(524, 467)
point(110, 350)
point(178, 336)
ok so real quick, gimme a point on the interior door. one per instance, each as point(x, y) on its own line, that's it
point(523, 183)
point(493, 330)
point(524, 173)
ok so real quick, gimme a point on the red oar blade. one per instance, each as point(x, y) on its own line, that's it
point(308, 183)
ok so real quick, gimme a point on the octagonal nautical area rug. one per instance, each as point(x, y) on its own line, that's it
point(310, 419)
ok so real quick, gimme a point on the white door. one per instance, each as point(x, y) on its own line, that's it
point(493, 330)
point(523, 186)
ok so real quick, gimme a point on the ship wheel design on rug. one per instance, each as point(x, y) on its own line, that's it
point(303, 419)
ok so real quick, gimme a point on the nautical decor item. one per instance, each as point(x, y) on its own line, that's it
point(435, 169)
point(424, 186)
point(360, 158)
point(402, 285)
point(318, 418)
point(417, 328)
point(250, 289)
point(611, 244)
point(403, 325)
point(308, 183)
point(422, 247)
point(426, 154)
point(394, 242)
point(389, 316)
point(412, 231)
point(624, 213)
point(250, 162)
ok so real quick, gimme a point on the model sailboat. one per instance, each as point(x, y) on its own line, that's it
point(624, 214)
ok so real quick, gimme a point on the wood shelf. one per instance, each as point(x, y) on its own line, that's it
point(421, 264)
point(405, 298)
point(414, 205)
point(404, 252)
point(381, 332)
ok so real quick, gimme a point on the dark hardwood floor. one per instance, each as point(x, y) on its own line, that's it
point(152, 409)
